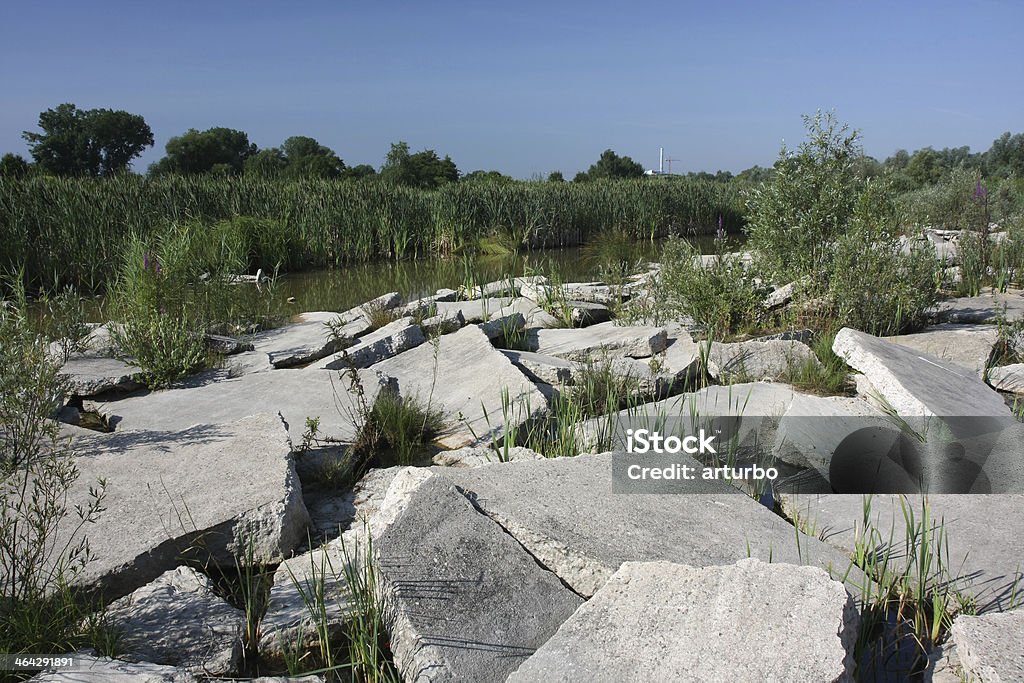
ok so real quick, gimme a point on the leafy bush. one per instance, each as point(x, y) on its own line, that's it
point(172, 290)
point(946, 205)
point(795, 218)
point(42, 546)
point(874, 285)
point(720, 295)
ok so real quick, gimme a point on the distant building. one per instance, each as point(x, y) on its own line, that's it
point(661, 165)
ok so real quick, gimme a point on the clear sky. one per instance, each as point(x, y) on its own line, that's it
point(526, 87)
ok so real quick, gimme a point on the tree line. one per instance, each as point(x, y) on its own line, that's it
point(105, 142)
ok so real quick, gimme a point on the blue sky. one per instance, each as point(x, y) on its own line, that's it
point(526, 87)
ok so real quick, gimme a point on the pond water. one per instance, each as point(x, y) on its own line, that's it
point(339, 289)
point(343, 288)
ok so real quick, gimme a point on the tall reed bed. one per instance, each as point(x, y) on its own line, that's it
point(72, 231)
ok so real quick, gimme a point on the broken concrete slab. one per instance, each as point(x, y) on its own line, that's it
point(584, 531)
point(228, 346)
point(165, 498)
point(541, 368)
point(984, 557)
point(915, 383)
point(469, 603)
point(503, 326)
point(755, 361)
point(510, 286)
point(744, 414)
point(535, 316)
point(591, 292)
point(989, 646)
point(581, 344)
point(475, 311)
point(465, 377)
point(288, 621)
point(585, 313)
point(1009, 378)
point(89, 669)
point(392, 339)
point(682, 356)
point(478, 457)
point(93, 375)
point(969, 346)
point(303, 341)
point(766, 621)
point(987, 307)
point(780, 296)
point(426, 303)
point(384, 302)
point(179, 620)
point(436, 325)
point(326, 569)
point(294, 395)
point(813, 427)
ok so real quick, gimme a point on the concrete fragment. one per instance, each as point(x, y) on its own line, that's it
point(987, 307)
point(746, 415)
point(750, 621)
point(535, 316)
point(392, 339)
point(915, 383)
point(584, 313)
point(475, 311)
point(1008, 378)
point(165, 498)
point(501, 326)
point(989, 646)
point(968, 346)
point(89, 669)
point(541, 368)
point(305, 340)
point(814, 426)
point(983, 557)
point(478, 457)
point(754, 361)
point(584, 531)
point(293, 395)
point(580, 344)
point(469, 603)
point(93, 375)
point(179, 620)
point(464, 376)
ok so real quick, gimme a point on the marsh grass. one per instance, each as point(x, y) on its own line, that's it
point(378, 315)
point(171, 292)
point(73, 230)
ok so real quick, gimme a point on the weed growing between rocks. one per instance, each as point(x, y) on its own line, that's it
point(43, 547)
point(910, 595)
point(830, 376)
point(359, 650)
point(379, 315)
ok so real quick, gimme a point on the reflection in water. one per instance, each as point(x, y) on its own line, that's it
point(342, 288)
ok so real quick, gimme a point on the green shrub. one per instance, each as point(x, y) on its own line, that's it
point(795, 218)
point(42, 545)
point(874, 285)
point(721, 296)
